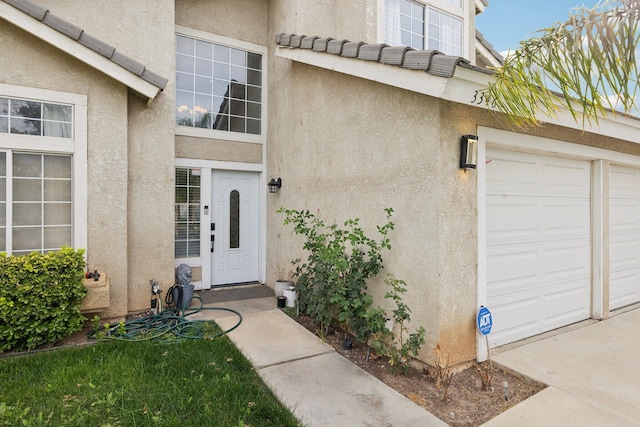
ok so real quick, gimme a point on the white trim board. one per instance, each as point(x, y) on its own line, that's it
point(216, 164)
point(530, 143)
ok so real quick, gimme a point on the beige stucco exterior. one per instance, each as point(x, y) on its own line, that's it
point(345, 147)
point(346, 161)
point(363, 146)
point(130, 144)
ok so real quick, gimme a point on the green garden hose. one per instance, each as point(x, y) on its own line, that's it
point(168, 326)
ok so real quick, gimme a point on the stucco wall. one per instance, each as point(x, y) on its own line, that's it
point(215, 149)
point(244, 20)
point(27, 61)
point(131, 146)
point(354, 20)
point(354, 147)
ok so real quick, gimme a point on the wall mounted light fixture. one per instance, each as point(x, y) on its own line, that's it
point(468, 151)
point(274, 185)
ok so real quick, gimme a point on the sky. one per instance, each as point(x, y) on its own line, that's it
point(504, 23)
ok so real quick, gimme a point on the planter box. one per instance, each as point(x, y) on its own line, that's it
point(98, 295)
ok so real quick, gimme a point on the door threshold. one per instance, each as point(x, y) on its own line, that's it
point(236, 285)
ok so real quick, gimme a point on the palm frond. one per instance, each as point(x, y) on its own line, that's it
point(586, 64)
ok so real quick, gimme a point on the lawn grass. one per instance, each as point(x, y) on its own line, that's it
point(188, 383)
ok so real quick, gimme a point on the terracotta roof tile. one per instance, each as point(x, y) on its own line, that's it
point(430, 61)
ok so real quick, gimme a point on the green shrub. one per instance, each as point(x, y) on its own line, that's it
point(332, 282)
point(400, 348)
point(40, 297)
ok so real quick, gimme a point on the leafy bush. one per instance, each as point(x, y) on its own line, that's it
point(332, 282)
point(399, 348)
point(332, 285)
point(40, 297)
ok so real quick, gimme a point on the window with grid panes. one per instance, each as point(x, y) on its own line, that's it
point(187, 213)
point(218, 87)
point(42, 178)
point(28, 117)
point(39, 204)
point(424, 26)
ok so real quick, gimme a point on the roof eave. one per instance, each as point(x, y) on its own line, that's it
point(31, 25)
point(387, 74)
point(467, 86)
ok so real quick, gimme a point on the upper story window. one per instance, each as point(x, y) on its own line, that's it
point(26, 117)
point(218, 87)
point(422, 26)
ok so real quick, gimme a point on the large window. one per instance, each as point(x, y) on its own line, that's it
point(218, 87)
point(187, 211)
point(43, 197)
point(41, 206)
point(407, 22)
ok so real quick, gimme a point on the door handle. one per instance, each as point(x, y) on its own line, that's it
point(213, 242)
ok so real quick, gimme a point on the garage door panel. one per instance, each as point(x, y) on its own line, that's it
point(527, 173)
point(538, 243)
point(624, 216)
point(546, 261)
point(515, 270)
point(565, 176)
point(514, 319)
point(509, 174)
point(624, 252)
point(569, 305)
point(521, 220)
point(624, 288)
point(566, 260)
point(565, 218)
point(534, 218)
point(624, 181)
point(515, 267)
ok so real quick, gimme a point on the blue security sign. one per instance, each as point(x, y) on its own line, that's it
point(485, 321)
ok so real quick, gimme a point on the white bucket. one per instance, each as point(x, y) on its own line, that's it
point(281, 285)
point(291, 296)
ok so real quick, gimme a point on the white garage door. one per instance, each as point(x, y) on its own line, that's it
point(624, 232)
point(538, 243)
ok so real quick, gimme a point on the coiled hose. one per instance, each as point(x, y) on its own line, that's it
point(169, 326)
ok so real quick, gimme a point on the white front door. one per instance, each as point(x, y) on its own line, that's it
point(235, 234)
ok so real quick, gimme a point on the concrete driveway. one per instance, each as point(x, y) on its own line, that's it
point(593, 373)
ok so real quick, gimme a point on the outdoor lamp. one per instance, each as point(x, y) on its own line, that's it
point(468, 151)
point(274, 185)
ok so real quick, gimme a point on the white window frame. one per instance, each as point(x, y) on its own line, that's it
point(442, 6)
point(199, 256)
point(223, 134)
point(75, 146)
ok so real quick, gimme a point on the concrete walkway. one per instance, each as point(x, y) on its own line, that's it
point(321, 387)
point(593, 373)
